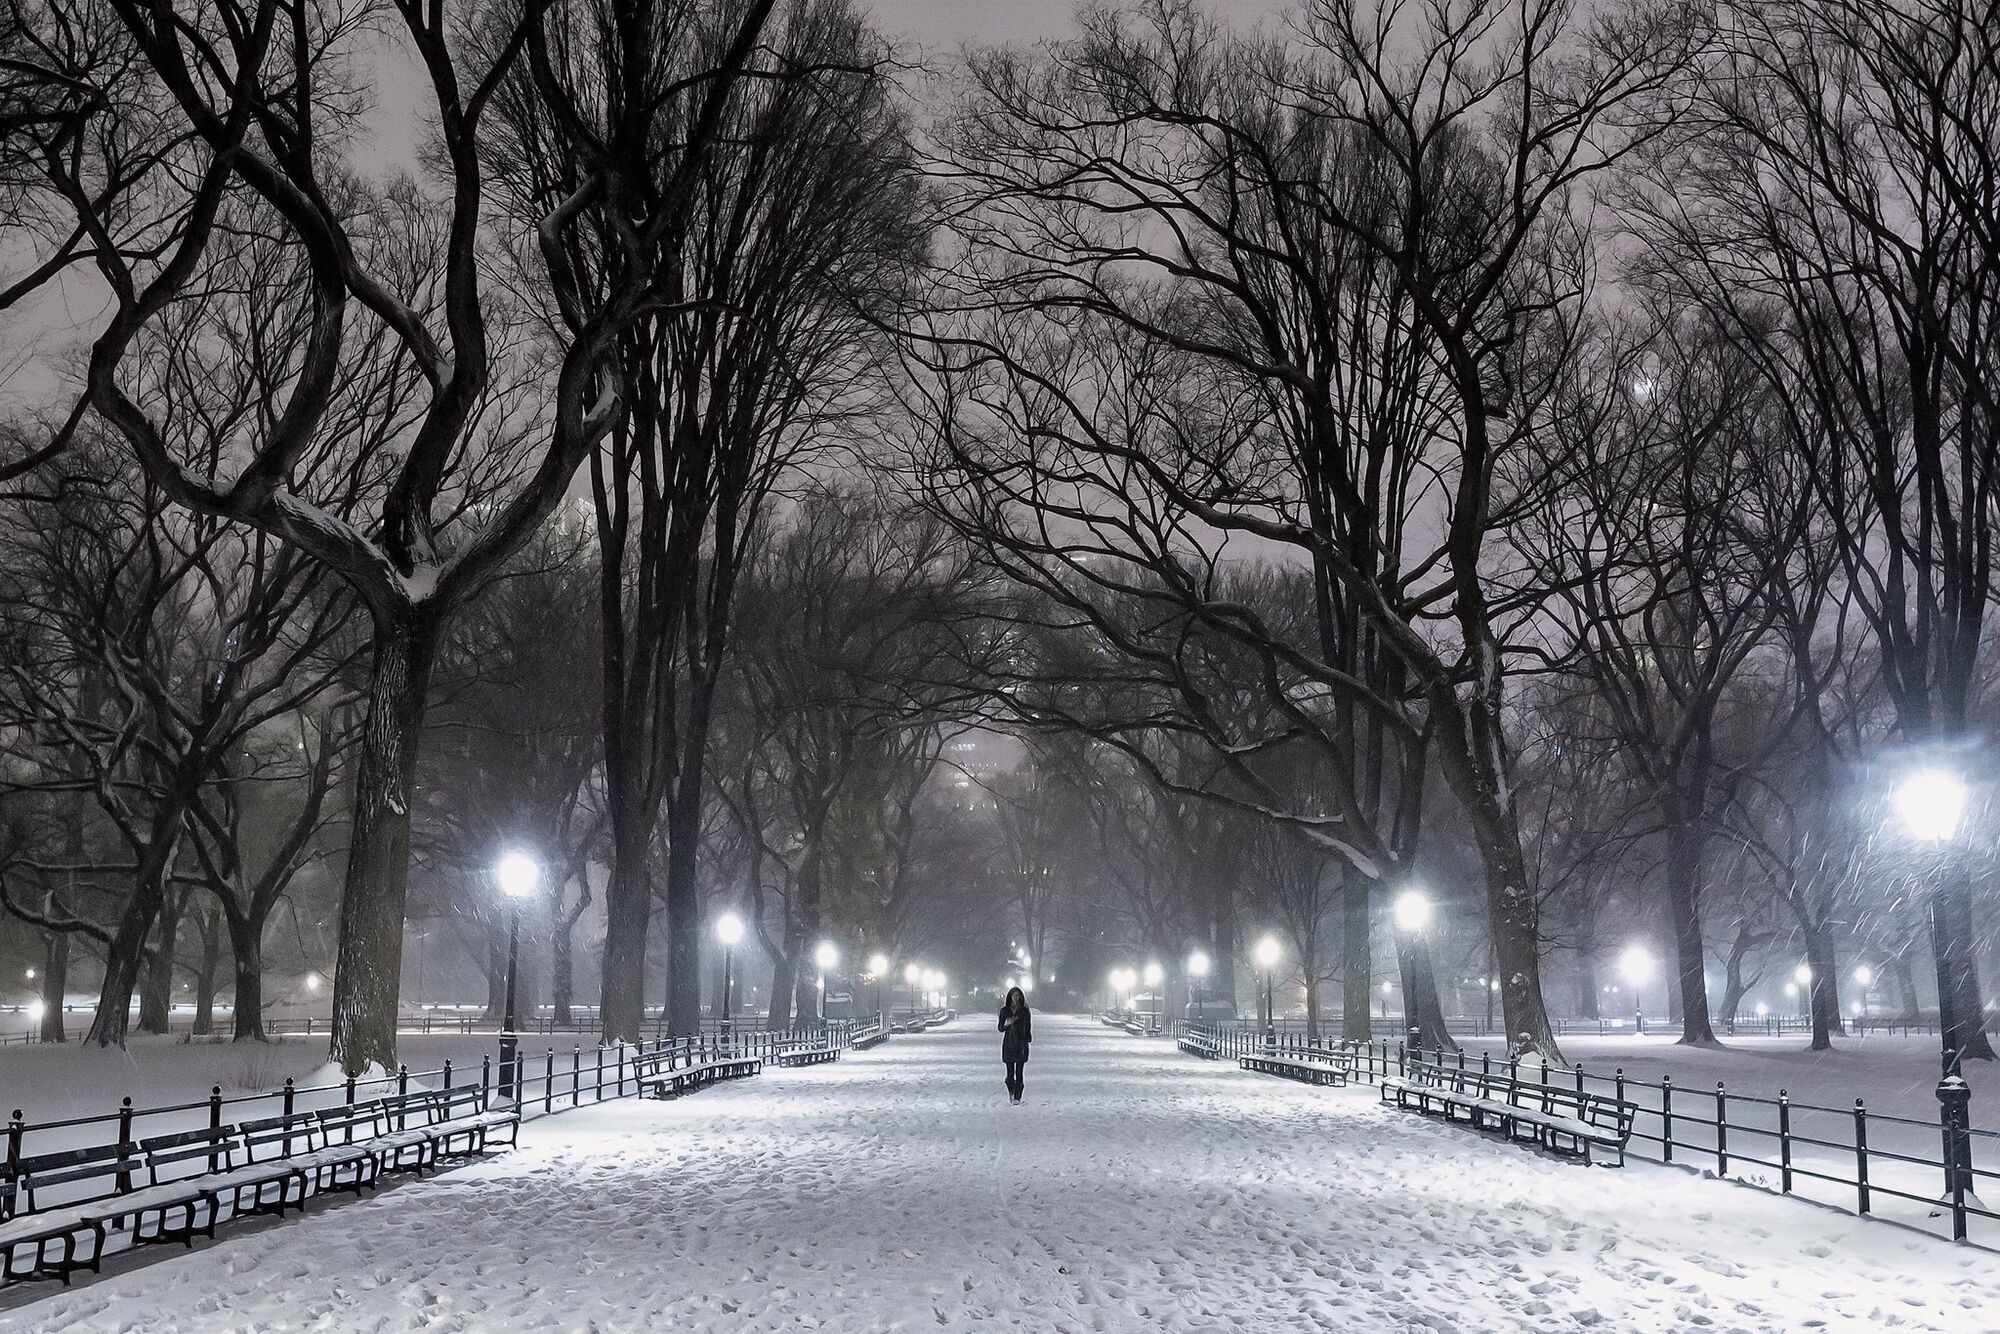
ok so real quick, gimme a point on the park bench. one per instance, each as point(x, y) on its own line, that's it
point(461, 1116)
point(672, 1083)
point(252, 1188)
point(1310, 1066)
point(812, 1054)
point(40, 1237)
point(374, 1126)
point(1199, 1044)
point(299, 1139)
point(1557, 1120)
point(872, 1038)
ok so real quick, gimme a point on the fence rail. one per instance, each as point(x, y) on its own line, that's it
point(1846, 1156)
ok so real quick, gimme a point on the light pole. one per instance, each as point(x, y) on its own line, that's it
point(518, 874)
point(1864, 977)
point(825, 955)
point(1267, 954)
point(1412, 912)
point(1197, 966)
point(1930, 803)
point(728, 930)
point(1155, 975)
point(1635, 965)
point(912, 973)
point(878, 966)
point(1803, 976)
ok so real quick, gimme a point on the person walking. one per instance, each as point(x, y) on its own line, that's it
point(1018, 1030)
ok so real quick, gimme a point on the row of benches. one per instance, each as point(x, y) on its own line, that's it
point(1563, 1121)
point(1559, 1120)
point(1328, 1067)
point(196, 1179)
point(668, 1081)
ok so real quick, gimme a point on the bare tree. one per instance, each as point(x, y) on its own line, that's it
point(1393, 193)
point(1835, 219)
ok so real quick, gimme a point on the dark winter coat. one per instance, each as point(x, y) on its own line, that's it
point(1014, 1047)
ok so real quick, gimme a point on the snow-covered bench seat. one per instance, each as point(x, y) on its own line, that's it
point(1199, 1044)
point(1558, 1120)
point(672, 1083)
point(812, 1054)
point(862, 1041)
point(174, 1204)
point(1308, 1067)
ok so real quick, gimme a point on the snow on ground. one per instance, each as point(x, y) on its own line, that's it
point(1136, 1189)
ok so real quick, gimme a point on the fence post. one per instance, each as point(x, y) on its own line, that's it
point(290, 1093)
point(1954, 1097)
point(214, 1125)
point(1721, 1131)
point(485, 1081)
point(549, 1083)
point(16, 1128)
point(1666, 1118)
point(402, 1087)
point(1861, 1154)
point(576, 1076)
point(598, 1079)
point(125, 1145)
point(1784, 1141)
point(350, 1090)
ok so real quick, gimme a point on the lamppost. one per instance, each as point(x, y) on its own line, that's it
point(518, 874)
point(1412, 911)
point(912, 972)
point(1864, 977)
point(1267, 953)
point(1155, 975)
point(825, 956)
point(1803, 976)
point(1197, 966)
point(1931, 803)
point(728, 930)
point(878, 966)
point(1635, 965)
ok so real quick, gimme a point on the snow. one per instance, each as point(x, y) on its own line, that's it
point(1135, 1189)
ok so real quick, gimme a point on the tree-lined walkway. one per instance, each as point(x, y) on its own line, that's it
point(1135, 1189)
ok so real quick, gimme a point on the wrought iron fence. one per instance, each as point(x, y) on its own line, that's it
point(1845, 1156)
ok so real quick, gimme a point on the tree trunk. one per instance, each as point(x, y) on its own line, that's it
point(1422, 1010)
point(1961, 1012)
point(1906, 985)
point(1733, 985)
point(496, 975)
point(1223, 930)
point(1357, 956)
point(204, 984)
point(1312, 1003)
point(246, 943)
point(1513, 922)
point(1825, 986)
point(156, 993)
point(1589, 983)
point(1684, 850)
point(684, 902)
point(628, 908)
point(126, 955)
point(55, 983)
point(367, 978)
point(562, 967)
point(784, 971)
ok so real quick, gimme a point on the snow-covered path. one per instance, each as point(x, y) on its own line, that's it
point(1136, 1189)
